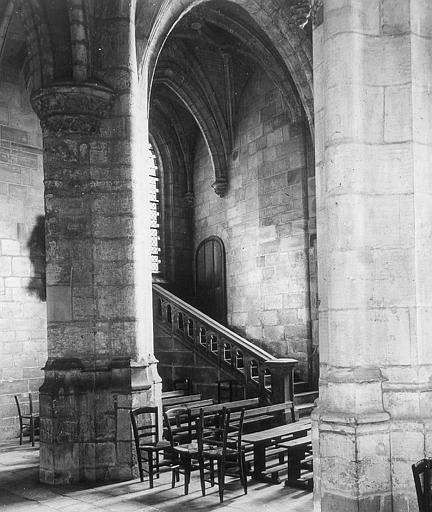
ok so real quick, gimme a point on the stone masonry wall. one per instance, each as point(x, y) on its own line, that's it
point(263, 222)
point(22, 259)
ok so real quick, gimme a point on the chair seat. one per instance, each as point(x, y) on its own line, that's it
point(160, 445)
point(187, 449)
point(218, 452)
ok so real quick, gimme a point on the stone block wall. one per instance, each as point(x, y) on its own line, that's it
point(22, 258)
point(264, 221)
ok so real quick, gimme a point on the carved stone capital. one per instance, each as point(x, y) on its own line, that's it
point(220, 186)
point(71, 108)
point(317, 12)
point(300, 11)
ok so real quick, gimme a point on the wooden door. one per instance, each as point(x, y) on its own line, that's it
point(210, 278)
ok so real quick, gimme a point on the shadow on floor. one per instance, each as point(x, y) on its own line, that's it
point(20, 491)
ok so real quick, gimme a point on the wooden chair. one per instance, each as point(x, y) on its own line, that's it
point(422, 480)
point(224, 447)
point(30, 420)
point(145, 425)
point(184, 445)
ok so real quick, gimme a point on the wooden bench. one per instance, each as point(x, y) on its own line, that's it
point(235, 406)
point(190, 405)
point(267, 446)
point(260, 418)
point(255, 419)
point(174, 401)
point(211, 409)
point(171, 394)
point(299, 461)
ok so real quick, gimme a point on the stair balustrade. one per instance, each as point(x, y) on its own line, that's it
point(251, 367)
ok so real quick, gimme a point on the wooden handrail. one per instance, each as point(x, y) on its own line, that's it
point(213, 325)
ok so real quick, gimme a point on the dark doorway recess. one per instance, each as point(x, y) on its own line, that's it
point(210, 278)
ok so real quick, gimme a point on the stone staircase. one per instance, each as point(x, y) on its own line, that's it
point(190, 344)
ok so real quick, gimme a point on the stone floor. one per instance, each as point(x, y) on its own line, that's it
point(20, 491)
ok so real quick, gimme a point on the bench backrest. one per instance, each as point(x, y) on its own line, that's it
point(236, 405)
point(179, 400)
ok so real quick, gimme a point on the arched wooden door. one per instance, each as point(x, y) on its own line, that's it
point(210, 278)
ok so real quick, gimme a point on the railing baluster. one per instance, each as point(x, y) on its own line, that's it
point(213, 344)
point(239, 362)
point(180, 321)
point(202, 337)
point(267, 379)
point(227, 356)
point(253, 367)
point(159, 308)
point(190, 328)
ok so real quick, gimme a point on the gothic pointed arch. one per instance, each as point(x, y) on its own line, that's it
point(279, 22)
point(180, 83)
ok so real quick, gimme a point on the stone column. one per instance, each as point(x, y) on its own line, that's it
point(373, 111)
point(100, 344)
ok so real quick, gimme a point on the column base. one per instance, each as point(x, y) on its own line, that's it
point(352, 462)
point(85, 431)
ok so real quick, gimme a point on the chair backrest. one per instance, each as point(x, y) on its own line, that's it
point(222, 435)
point(422, 480)
point(145, 425)
point(30, 405)
point(178, 426)
point(18, 406)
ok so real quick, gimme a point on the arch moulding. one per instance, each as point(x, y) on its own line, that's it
point(276, 21)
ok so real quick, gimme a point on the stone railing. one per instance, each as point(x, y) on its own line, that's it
point(254, 368)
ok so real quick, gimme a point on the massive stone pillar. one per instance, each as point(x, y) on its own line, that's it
point(100, 338)
point(373, 108)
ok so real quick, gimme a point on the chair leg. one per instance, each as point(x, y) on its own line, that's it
point(21, 432)
point(32, 431)
point(150, 465)
point(140, 467)
point(201, 470)
point(221, 479)
point(243, 477)
point(157, 464)
point(187, 480)
point(212, 480)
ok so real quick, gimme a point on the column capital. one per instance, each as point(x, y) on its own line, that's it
point(72, 108)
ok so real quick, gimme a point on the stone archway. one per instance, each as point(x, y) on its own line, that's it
point(290, 42)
